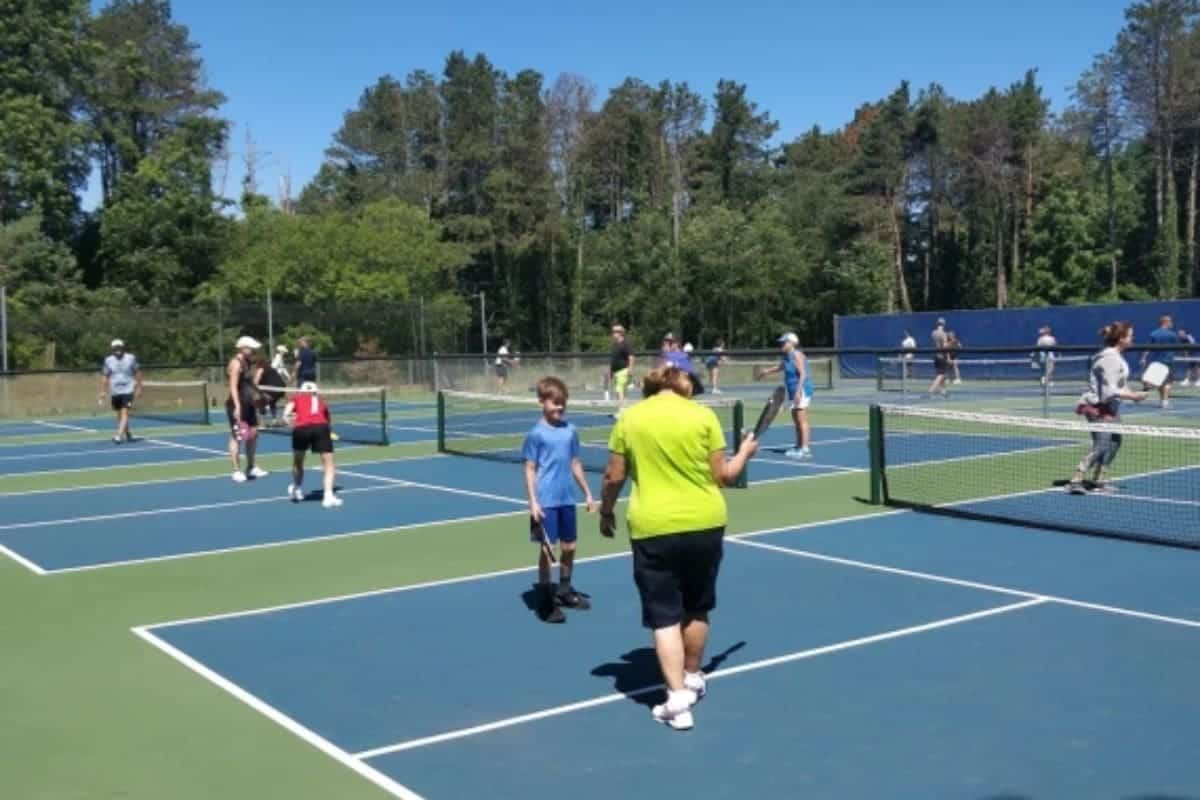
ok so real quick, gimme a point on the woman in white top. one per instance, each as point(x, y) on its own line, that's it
point(1101, 403)
point(279, 364)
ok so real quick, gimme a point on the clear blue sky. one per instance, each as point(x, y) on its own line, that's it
point(291, 69)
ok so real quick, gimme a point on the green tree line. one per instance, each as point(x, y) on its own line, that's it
point(659, 205)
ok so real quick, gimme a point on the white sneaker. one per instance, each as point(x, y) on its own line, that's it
point(239, 477)
point(295, 493)
point(258, 472)
point(697, 683)
point(957, 381)
point(332, 501)
point(677, 711)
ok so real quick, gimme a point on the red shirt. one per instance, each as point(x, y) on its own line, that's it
point(310, 410)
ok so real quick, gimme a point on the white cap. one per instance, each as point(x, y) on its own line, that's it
point(789, 337)
point(308, 386)
point(281, 348)
point(248, 341)
point(687, 348)
point(117, 343)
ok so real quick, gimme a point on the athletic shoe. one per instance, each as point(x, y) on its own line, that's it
point(295, 493)
point(239, 477)
point(677, 711)
point(547, 610)
point(1076, 487)
point(957, 380)
point(1104, 487)
point(258, 472)
point(805, 453)
point(793, 452)
point(118, 440)
point(332, 501)
point(128, 435)
point(572, 599)
point(697, 683)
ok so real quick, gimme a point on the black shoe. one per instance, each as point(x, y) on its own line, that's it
point(548, 610)
point(129, 436)
point(573, 599)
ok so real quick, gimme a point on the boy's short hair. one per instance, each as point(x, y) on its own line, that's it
point(552, 388)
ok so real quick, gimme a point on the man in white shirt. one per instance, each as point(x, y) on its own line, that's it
point(504, 360)
point(1046, 357)
point(121, 380)
point(909, 343)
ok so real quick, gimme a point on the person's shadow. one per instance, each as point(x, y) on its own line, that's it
point(638, 677)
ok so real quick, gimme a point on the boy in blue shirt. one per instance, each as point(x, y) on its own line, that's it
point(551, 454)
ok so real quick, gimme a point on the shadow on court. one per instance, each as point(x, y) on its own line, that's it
point(637, 675)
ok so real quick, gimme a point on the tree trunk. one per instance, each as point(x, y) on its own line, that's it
point(577, 294)
point(1001, 278)
point(1016, 249)
point(1112, 213)
point(898, 255)
point(1193, 174)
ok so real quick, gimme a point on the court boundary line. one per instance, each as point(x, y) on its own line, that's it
point(304, 733)
point(21, 560)
point(112, 448)
point(946, 579)
point(787, 658)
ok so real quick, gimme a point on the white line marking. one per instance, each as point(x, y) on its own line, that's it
point(486, 575)
point(806, 464)
point(275, 715)
point(926, 576)
point(153, 512)
point(106, 468)
point(434, 487)
point(897, 633)
point(24, 562)
point(112, 449)
point(63, 427)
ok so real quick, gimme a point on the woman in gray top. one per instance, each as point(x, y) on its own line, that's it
point(1101, 403)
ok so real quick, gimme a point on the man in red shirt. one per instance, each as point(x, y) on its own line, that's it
point(311, 430)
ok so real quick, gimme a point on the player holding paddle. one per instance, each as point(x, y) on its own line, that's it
point(1101, 403)
point(551, 454)
point(310, 420)
point(242, 410)
point(798, 381)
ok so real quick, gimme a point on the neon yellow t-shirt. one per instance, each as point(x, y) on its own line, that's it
point(666, 441)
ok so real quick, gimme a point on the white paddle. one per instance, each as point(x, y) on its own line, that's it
point(1156, 374)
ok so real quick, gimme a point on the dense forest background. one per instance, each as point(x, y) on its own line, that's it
point(659, 205)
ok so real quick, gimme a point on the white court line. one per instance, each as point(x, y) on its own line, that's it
point(275, 715)
point(927, 576)
point(24, 562)
point(434, 487)
point(805, 464)
point(63, 427)
point(285, 543)
point(153, 512)
point(112, 449)
point(614, 697)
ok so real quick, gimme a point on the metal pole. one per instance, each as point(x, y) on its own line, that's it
point(270, 323)
point(483, 328)
point(3, 329)
point(220, 332)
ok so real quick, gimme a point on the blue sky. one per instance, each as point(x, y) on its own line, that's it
point(291, 69)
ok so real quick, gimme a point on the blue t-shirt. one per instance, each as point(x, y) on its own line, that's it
point(121, 373)
point(680, 359)
point(1163, 336)
point(552, 448)
point(306, 364)
point(791, 376)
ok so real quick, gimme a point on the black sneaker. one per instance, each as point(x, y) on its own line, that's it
point(1077, 487)
point(548, 610)
point(129, 436)
point(573, 599)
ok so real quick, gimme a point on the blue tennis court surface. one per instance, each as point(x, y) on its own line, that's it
point(897, 656)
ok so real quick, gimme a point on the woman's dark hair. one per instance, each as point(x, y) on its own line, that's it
point(1114, 332)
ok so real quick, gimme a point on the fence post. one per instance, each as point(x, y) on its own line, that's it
point(220, 331)
point(3, 329)
point(270, 324)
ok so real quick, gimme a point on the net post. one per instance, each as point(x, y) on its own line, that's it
point(876, 451)
point(204, 402)
point(441, 421)
point(878, 373)
point(739, 430)
point(383, 415)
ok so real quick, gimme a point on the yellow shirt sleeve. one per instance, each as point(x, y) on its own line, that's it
point(714, 437)
point(616, 439)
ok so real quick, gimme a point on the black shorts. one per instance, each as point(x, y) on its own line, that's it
point(249, 414)
point(940, 365)
point(317, 438)
point(120, 401)
point(501, 370)
point(676, 575)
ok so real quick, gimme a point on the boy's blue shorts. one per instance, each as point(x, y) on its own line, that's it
point(559, 525)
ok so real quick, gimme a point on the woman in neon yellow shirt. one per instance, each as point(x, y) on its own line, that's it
point(677, 519)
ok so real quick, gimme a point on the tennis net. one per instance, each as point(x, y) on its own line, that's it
point(494, 427)
point(743, 374)
point(1017, 470)
point(1031, 375)
point(181, 402)
point(359, 413)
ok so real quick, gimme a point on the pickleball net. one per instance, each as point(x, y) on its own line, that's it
point(493, 427)
point(1017, 469)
